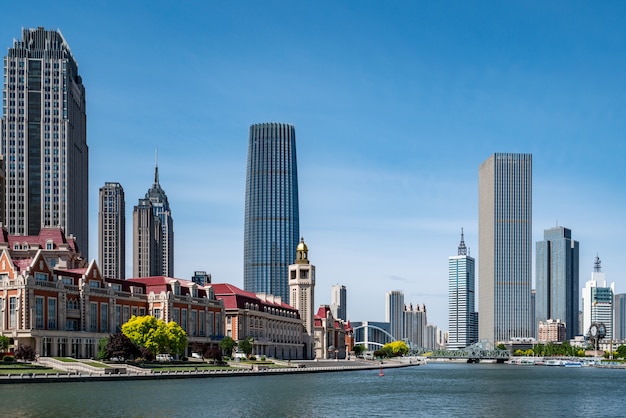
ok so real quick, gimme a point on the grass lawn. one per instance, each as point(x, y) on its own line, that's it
point(172, 367)
point(66, 359)
point(96, 364)
point(18, 368)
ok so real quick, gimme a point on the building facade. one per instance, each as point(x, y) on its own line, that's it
point(598, 301)
point(557, 282)
point(394, 313)
point(272, 223)
point(371, 334)
point(302, 294)
point(275, 327)
point(415, 322)
point(552, 330)
point(330, 335)
point(619, 317)
point(52, 300)
point(505, 247)
point(112, 231)
point(43, 138)
point(462, 328)
point(162, 212)
point(339, 302)
point(147, 241)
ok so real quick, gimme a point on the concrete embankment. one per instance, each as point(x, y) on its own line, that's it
point(309, 367)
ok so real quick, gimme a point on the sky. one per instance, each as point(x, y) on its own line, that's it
point(395, 105)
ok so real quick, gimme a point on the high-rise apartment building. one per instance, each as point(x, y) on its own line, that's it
point(505, 247)
point(598, 301)
point(619, 317)
point(462, 328)
point(556, 276)
point(43, 135)
point(338, 302)
point(161, 209)
point(394, 314)
point(153, 226)
point(272, 223)
point(414, 325)
point(112, 231)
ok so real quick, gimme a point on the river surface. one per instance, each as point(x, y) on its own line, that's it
point(436, 389)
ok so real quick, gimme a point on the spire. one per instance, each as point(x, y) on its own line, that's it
point(462, 247)
point(156, 166)
point(597, 268)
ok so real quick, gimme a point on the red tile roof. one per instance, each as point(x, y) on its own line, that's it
point(158, 284)
point(235, 297)
point(56, 235)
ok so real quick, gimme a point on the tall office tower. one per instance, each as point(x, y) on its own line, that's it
point(414, 325)
point(556, 276)
point(272, 223)
point(504, 247)
point(395, 313)
point(147, 241)
point(598, 301)
point(338, 302)
point(43, 134)
point(462, 330)
point(619, 317)
point(302, 293)
point(161, 210)
point(112, 231)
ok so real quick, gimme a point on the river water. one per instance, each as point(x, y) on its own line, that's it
point(436, 389)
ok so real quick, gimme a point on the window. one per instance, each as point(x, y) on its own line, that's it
point(211, 319)
point(134, 310)
point(104, 317)
point(43, 277)
point(93, 321)
point(118, 318)
point(39, 312)
point(194, 320)
point(202, 322)
point(94, 284)
point(176, 315)
point(184, 319)
point(67, 280)
point(12, 312)
point(49, 245)
point(157, 313)
point(126, 314)
point(52, 313)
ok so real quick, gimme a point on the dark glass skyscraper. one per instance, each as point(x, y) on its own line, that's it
point(272, 221)
point(557, 279)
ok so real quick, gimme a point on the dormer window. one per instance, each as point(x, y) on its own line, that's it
point(49, 245)
point(16, 246)
point(177, 289)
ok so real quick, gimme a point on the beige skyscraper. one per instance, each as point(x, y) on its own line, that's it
point(505, 247)
point(302, 292)
point(112, 231)
point(147, 240)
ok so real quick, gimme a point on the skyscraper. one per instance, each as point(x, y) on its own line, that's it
point(43, 134)
point(395, 313)
point(338, 302)
point(619, 317)
point(414, 325)
point(272, 223)
point(504, 247)
point(556, 277)
point(161, 210)
point(112, 231)
point(598, 301)
point(462, 328)
point(153, 243)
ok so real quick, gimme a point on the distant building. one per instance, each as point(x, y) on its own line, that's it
point(598, 301)
point(338, 302)
point(619, 317)
point(415, 323)
point(505, 247)
point(112, 231)
point(272, 219)
point(43, 136)
point(552, 330)
point(462, 328)
point(395, 313)
point(147, 241)
point(162, 211)
point(557, 283)
point(302, 294)
point(201, 277)
point(275, 326)
point(373, 335)
point(330, 335)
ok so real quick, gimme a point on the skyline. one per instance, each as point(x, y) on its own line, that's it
point(395, 109)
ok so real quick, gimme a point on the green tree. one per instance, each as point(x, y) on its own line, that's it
point(621, 351)
point(359, 350)
point(121, 347)
point(4, 342)
point(501, 346)
point(102, 349)
point(155, 335)
point(228, 345)
point(246, 346)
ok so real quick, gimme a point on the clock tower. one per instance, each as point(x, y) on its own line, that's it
point(302, 290)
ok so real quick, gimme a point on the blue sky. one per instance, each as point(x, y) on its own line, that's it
point(395, 107)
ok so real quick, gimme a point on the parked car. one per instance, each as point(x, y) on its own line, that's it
point(196, 355)
point(164, 358)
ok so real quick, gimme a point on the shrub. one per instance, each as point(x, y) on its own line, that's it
point(25, 352)
point(252, 358)
point(263, 358)
point(8, 359)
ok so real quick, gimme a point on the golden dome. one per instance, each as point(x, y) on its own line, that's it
point(302, 246)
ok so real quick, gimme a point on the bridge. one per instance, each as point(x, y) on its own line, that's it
point(474, 353)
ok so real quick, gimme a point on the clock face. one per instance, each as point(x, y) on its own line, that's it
point(601, 330)
point(593, 330)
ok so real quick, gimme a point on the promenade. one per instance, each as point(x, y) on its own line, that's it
point(135, 373)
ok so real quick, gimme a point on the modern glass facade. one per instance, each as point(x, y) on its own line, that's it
point(272, 220)
point(462, 328)
point(557, 279)
point(43, 134)
point(505, 247)
point(598, 301)
point(619, 317)
point(395, 313)
point(112, 231)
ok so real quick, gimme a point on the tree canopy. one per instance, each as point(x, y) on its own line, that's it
point(228, 345)
point(155, 335)
point(246, 346)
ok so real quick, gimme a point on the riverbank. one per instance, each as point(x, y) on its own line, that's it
point(325, 366)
